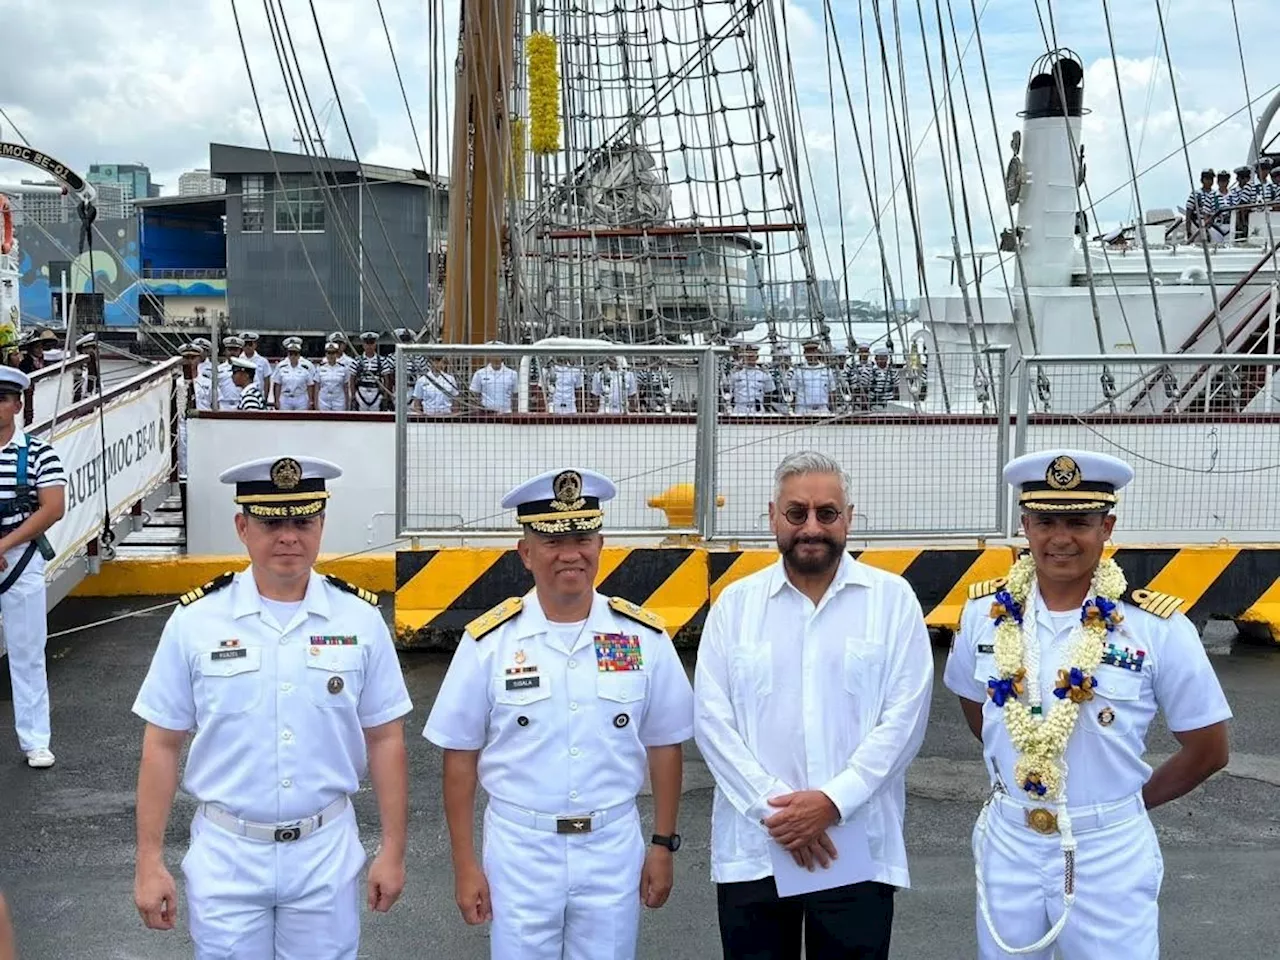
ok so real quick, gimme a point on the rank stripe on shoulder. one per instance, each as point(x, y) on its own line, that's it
point(348, 587)
point(1163, 605)
point(492, 619)
point(986, 588)
point(637, 613)
point(214, 585)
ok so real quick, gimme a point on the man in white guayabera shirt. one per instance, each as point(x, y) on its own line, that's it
point(812, 696)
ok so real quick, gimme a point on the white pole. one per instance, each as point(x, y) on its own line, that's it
point(1271, 343)
point(360, 241)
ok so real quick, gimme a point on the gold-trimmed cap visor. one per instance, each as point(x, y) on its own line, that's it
point(561, 502)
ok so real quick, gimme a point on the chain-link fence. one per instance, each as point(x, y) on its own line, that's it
point(482, 420)
point(1201, 432)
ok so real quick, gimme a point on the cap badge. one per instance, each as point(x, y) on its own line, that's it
point(1063, 474)
point(286, 473)
point(567, 488)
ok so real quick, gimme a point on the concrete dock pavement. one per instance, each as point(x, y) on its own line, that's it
point(66, 834)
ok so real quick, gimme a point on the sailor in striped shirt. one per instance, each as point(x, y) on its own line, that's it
point(25, 515)
point(1202, 205)
point(243, 371)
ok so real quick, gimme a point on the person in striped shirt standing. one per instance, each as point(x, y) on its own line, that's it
point(1202, 206)
point(243, 372)
point(32, 499)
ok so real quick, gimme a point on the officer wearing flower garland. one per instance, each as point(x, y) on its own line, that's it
point(1060, 668)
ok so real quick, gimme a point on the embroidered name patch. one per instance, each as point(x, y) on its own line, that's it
point(334, 641)
point(228, 654)
point(524, 683)
point(616, 652)
point(986, 648)
point(1126, 658)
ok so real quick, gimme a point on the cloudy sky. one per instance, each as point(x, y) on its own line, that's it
point(130, 81)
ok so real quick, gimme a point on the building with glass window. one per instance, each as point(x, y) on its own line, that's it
point(318, 244)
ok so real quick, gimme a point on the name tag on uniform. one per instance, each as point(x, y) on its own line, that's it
point(334, 641)
point(228, 654)
point(986, 648)
point(617, 652)
point(523, 683)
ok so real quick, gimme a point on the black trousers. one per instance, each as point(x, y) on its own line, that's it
point(844, 923)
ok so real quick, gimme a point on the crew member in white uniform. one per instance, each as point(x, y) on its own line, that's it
point(496, 383)
point(812, 382)
point(25, 515)
point(333, 380)
point(291, 684)
point(293, 380)
point(196, 390)
point(554, 703)
point(344, 351)
point(262, 373)
point(813, 686)
point(566, 382)
point(435, 390)
point(748, 385)
point(228, 392)
point(1060, 602)
point(615, 385)
point(204, 371)
point(373, 374)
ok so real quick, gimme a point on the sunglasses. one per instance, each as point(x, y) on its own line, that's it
point(796, 515)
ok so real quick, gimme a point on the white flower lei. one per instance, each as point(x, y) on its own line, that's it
point(1041, 740)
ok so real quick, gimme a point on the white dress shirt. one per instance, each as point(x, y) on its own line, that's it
point(789, 697)
point(747, 387)
point(1148, 663)
point(436, 391)
point(496, 387)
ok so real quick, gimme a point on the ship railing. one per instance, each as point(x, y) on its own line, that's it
point(690, 443)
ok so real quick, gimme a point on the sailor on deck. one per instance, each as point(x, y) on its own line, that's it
point(228, 392)
point(262, 371)
point(243, 371)
point(293, 380)
point(373, 373)
point(291, 684)
point(1060, 668)
point(32, 499)
point(554, 703)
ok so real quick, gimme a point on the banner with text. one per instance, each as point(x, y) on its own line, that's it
point(112, 460)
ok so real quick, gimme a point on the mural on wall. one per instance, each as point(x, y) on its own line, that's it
point(115, 263)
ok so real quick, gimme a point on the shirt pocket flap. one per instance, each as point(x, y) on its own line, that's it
point(231, 662)
point(518, 691)
point(623, 687)
point(337, 659)
point(1115, 684)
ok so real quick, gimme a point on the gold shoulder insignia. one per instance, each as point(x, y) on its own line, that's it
point(214, 585)
point(495, 618)
point(1162, 605)
point(637, 613)
point(351, 588)
point(986, 588)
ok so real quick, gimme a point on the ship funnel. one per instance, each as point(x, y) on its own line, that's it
point(1050, 169)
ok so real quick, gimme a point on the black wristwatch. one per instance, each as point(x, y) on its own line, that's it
point(672, 842)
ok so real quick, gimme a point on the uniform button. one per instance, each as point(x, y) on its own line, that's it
point(573, 794)
point(573, 705)
point(286, 687)
point(573, 751)
point(572, 664)
point(287, 735)
point(284, 640)
point(286, 782)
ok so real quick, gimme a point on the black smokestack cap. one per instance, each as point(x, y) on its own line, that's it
point(1056, 87)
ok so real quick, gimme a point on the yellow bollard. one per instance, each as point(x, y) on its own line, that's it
point(677, 502)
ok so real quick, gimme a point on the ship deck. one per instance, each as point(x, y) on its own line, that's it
point(66, 835)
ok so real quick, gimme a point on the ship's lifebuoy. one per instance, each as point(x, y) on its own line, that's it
point(6, 241)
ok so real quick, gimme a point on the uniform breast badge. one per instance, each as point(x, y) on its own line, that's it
point(617, 652)
point(524, 675)
point(335, 685)
point(1106, 716)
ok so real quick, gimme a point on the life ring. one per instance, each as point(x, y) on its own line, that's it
point(6, 242)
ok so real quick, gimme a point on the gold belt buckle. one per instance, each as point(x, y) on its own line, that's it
point(1042, 821)
point(573, 825)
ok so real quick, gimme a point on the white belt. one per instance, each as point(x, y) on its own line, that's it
point(272, 832)
point(1044, 819)
point(560, 823)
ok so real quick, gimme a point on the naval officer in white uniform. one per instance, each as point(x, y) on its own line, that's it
point(554, 703)
point(1064, 642)
point(291, 685)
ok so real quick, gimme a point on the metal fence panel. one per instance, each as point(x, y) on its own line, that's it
point(1202, 433)
point(918, 468)
point(485, 419)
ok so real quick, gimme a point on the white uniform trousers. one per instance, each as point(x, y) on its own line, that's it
point(26, 629)
point(368, 398)
point(296, 401)
point(182, 448)
point(1118, 870)
point(261, 900)
point(563, 897)
point(331, 401)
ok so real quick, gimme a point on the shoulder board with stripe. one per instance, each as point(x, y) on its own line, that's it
point(351, 588)
point(214, 585)
point(637, 613)
point(492, 619)
point(986, 588)
point(1162, 605)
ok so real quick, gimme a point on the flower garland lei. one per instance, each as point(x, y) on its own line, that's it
point(1040, 736)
